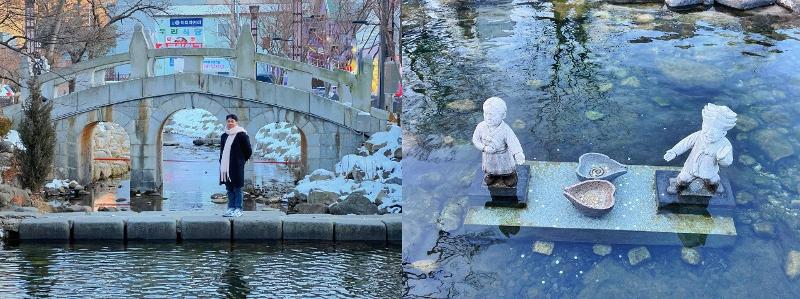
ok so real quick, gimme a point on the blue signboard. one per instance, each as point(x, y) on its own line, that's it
point(186, 22)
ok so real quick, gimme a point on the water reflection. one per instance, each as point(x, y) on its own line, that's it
point(586, 76)
point(204, 269)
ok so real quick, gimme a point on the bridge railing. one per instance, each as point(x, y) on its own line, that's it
point(141, 56)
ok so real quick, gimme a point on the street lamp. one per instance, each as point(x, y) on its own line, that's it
point(381, 59)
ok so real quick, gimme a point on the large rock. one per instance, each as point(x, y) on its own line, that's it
point(6, 147)
point(311, 208)
point(601, 249)
point(745, 4)
point(543, 247)
point(323, 197)
point(793, 5)
point(690, 255)
point(355, 203)
point(321, 175)
point(773, 143)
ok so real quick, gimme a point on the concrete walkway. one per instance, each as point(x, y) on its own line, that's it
point(208, 225)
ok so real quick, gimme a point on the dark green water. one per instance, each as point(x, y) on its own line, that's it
point(586, 76)
point(213, 270)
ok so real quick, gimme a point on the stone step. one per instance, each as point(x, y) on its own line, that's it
point(209, 225)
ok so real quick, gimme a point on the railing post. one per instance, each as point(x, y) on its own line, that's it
point(362, 87)
point(299, 80)
point(193, 64)
point(246, 56)
point(140, 64)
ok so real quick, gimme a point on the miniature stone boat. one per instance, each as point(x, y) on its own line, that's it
point(597, 166)
point(593, 198)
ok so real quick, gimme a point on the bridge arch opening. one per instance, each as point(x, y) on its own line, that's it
point(105, 151)
point(279, 153)
point(187, 156)
point(105, 158)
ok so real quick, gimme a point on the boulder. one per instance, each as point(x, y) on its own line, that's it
point(355, 203)
point(746, 123)
point(311, 208)
point(321, 175)
point(745, 4)
point(6, 146)
point(793, 5)
point(323, 197)
point(764, 229)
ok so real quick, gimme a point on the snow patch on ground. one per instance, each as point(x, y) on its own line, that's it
point(13, 137)
point(56, 183)
point(195, 123)
point(372, 172)
point(278, 142)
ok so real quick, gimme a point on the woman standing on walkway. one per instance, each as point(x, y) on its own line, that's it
point(235, 151)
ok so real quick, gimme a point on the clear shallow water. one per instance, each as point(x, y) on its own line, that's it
point(580, 76)
point(212, 270)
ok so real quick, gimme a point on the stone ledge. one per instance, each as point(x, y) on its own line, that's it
point(98, 228)
point(152, 228)
point(44, 229)
point(205, 228)
point(359, 230)
point(308, 227)
point(256, 228)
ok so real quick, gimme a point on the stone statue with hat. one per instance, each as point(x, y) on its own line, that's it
point(709, 150)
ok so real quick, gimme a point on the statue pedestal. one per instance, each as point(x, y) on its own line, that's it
point(501, 197)
point(694, 201)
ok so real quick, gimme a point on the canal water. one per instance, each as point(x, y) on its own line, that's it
point(586, 76)
point(212, 270)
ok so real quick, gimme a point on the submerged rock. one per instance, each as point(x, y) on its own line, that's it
point(601, 249)
point(746, 123)
point(773, 143)
point(638, 255)
point(462, 105)
point(764, 229)
point(631, 81)
point(594, 115)
point(792, 266)
point(645, 18)
point(690, 255)
point(543, 247)
point(747, 160)
point(743, 198)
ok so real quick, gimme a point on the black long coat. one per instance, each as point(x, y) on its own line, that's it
point(240, 153)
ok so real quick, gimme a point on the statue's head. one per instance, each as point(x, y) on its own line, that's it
point(494, 111)
point(717, 120)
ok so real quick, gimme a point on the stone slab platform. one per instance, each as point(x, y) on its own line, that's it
point(208, 225)
point(633, 220)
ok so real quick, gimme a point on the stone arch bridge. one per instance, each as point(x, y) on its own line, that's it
point(142, 105)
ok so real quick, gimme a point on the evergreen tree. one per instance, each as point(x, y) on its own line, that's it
point(38, 135)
